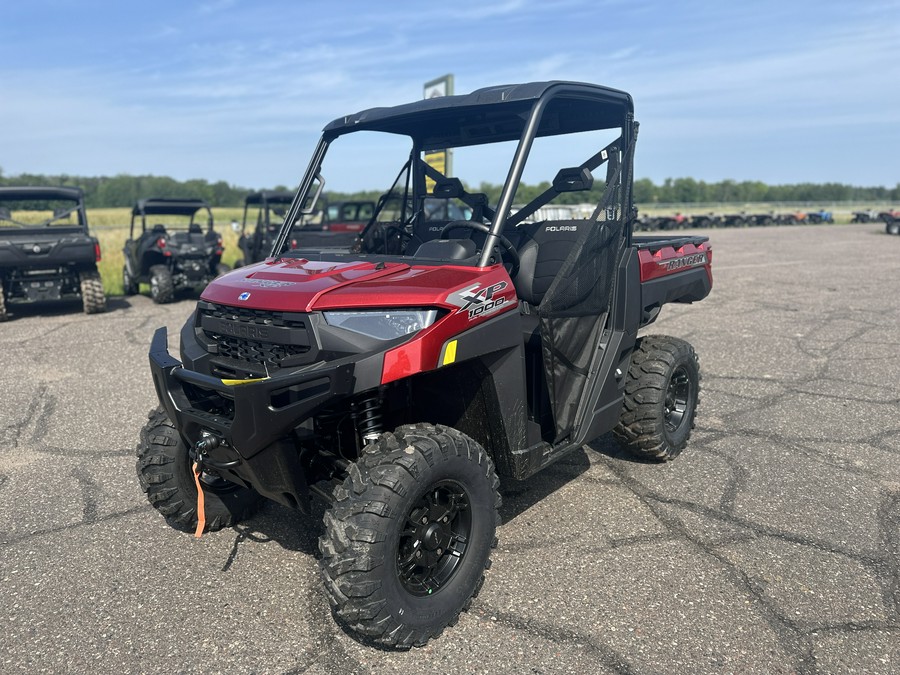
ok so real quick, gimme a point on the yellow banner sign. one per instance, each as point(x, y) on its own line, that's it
point(438, 161)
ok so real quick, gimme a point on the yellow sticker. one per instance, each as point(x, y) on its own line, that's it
point(234, 383)
point(449, 353)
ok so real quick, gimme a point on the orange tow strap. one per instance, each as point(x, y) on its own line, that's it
point(201, 506)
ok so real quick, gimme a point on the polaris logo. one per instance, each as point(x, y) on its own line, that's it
point(436, 228)
point(244, 296)
point(243, 331)
point(693, 260)
point(561, 228)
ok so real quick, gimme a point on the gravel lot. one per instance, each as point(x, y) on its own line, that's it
point(771, 545)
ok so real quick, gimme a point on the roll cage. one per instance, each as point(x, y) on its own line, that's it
point(54, 199)
point(187, 208)
point(518, 113)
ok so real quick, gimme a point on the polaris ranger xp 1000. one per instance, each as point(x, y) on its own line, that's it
point(401, 379)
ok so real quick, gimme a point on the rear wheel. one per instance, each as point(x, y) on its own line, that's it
point(129, 285)
point(893, 227)
point(408, 538)
point(92, 296)
point(661, 396)
point(165, 472)
point(162, 288)
point(3, 315)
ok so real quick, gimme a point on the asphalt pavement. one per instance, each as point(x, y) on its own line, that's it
point(771, 545)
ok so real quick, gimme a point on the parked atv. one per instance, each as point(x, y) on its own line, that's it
point(266, 210)
point(821, 216)
point(173, 252)
point(891, 220)
point(46, 250)
point(864, 216)
point(891, 223)
point(401, 381)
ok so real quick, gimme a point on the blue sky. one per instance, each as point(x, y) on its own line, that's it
point(780, 91)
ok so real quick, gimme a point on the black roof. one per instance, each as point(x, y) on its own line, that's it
point(271, 196)
point(36, 193)
point(494, 114)
point(169, 207)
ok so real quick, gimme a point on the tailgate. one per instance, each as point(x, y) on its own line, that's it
point(45, 249)
point(673, 269)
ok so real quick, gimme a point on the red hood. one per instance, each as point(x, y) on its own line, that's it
point(298, 285)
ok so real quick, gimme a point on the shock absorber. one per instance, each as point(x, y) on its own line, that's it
point(366, 413)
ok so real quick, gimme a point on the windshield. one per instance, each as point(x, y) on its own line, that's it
point(176, 222)
point(421, 198)
point(40, 213)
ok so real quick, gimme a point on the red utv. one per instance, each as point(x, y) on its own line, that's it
point(402, 380)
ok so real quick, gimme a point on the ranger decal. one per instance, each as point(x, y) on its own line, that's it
point(693, 260)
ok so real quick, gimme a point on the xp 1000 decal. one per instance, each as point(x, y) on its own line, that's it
point(479, 300)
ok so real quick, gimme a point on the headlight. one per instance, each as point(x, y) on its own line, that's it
point(381, 324)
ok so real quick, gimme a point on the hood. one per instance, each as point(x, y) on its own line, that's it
point(299, 285)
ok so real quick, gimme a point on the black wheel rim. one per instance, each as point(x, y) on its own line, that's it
point(678, 396)
point(434, 539)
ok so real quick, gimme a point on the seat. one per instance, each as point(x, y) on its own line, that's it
point(543, 248)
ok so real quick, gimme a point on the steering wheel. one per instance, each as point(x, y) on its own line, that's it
point(481, 227)
point(377, 238)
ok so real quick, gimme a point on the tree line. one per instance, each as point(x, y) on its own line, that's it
point(125, 190)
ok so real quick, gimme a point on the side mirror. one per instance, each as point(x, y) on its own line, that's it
point(573, 179)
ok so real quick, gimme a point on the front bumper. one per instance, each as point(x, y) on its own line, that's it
point(254, 421)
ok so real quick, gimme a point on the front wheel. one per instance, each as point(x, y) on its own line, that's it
point(165, 472)
point(407, 541)
point(662, 390)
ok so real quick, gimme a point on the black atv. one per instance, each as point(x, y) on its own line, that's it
point(46, 251)
point(263, 213)
point(173, 252)
point(401, 380)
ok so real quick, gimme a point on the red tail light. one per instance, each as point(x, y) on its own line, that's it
point(97, 252)
point(161, 242)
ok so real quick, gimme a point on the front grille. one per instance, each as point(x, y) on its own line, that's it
point(256, 316)
point(259, 353)
point(254, 342)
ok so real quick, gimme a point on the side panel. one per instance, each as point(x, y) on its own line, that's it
point(478, 388)
point(599, 412)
